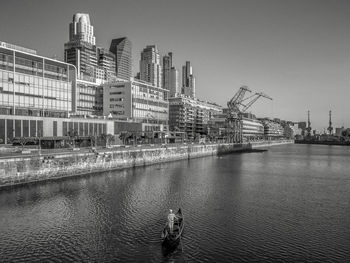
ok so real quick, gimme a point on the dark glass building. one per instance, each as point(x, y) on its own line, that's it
point(121, 47)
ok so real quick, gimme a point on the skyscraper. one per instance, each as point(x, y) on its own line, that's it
point(122, 49)
point(188, 81)
point(170, 75)
point(81, 29)
point(106, 62)
point(80, 50)
point(150, 68)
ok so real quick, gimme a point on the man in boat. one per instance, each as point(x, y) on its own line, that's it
point(171, 219)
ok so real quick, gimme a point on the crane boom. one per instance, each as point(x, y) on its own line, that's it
point(256, 97)
point(235, 109)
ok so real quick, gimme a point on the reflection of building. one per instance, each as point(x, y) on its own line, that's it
point(121, 48)
point(188, 81)
point(191, 115)
point(139, 101)
point(150, 68)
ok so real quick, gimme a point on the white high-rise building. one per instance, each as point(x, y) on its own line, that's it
point(150, 67)
point(81, 29)
point(174, 82)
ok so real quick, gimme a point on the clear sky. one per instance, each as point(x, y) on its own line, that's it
point(296, 51)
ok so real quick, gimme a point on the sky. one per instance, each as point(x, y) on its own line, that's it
point(295, 51)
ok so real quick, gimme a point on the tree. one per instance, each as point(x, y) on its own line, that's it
point(23, 141)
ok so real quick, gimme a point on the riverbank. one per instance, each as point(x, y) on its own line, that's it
point(34, 168)
point(339, 143)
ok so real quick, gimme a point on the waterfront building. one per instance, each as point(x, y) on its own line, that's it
point(81, 50)
point(87, 99)
point(18, 48)
point(35, 87)
point(170, 76)
point(291, 130)
point(150, 67)
point(272, 129)
point(339, 131)
point(138, 101)
point(191, 115)
point(188, 81)
point(122, 49)
point(252, 128)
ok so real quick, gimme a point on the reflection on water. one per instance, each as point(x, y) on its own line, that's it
point(289, 204)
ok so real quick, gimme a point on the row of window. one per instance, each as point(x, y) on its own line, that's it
point(34, 102)
point(83, 129)
point(10, 128)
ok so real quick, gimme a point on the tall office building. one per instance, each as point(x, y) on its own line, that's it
point(167, 65)
point(188, 81)
point(150, 68)
point(170, 75)
point(106, 62)
point(81, 29)
point(80, 50)
point(122, 48)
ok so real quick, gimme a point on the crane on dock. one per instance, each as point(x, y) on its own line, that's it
point(308, 129)
point(330, 127)
point(238, 105)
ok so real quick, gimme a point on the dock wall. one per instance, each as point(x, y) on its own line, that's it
point(16, 171)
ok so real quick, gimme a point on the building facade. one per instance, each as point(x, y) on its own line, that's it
point(191, 115)
point(122, 49)
point(87, 99)
point(188, 81)
point(150, 67)
point(138, 101)
point(81, 29)
point(170, 76)
point(106, 62)
point(35, 87)
point(81, 50)
point(252, 128)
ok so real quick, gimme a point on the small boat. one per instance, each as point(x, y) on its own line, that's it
point(171, 239)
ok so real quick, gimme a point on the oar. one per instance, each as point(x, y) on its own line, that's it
point(182, 249)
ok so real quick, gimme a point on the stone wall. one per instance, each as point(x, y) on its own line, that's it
point(14, 171)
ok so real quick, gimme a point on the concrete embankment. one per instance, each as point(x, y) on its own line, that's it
point(15, 171)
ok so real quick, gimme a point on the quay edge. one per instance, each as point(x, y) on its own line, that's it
point(25, 170)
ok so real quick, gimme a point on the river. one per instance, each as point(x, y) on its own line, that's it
point(291, 203)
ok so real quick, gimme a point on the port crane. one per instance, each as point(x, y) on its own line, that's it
point(308, 129)
point(330, 127)
point(238, 105)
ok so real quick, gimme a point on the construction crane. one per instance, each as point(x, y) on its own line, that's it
point(236, 107)
point(330, 127)
point(308, 129)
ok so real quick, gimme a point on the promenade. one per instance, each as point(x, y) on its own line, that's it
point(17, 168)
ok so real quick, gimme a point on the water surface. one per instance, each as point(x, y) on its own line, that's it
point(289, 204)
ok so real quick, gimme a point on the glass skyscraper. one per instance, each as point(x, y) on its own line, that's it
point(150, 67)
point(121, 47)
